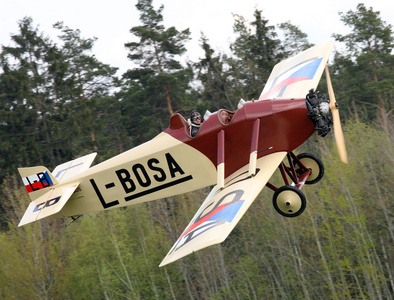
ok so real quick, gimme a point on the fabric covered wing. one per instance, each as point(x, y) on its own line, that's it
point(294, 77)
point(222, 209)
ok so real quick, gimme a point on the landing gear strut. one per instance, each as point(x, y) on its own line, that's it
point(305, 168)
point(313, 163)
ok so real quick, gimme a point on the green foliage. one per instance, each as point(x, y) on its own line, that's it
point(32, 258)
point(217, 89)
point(159, 86)
point(54, 98)
point(294, 41)
point(255, 53)
point(367, 65)
point(339, 247)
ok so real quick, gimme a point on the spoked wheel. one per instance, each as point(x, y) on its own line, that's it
point(313, 163)
point(289, 201)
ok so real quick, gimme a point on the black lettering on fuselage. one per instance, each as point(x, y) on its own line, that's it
point(126, 181)
point(139, 174)
point(152, 165)
point(142, 175)
point(173, 166)
point(101, 198)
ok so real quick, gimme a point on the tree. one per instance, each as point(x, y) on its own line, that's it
point(295, 41)
point(256, 52)
point(27, 100)
point(32, 261)
point(216, 91)
point(51, 97)
point(369, 59)
point(158, 87)
point(87, 88)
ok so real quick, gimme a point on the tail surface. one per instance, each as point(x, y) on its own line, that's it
point(49, 192)
point(37, 181)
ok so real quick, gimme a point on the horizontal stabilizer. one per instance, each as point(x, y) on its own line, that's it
point(73, 167)
point(48, 204)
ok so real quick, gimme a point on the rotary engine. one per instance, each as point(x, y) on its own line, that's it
point(319, 111)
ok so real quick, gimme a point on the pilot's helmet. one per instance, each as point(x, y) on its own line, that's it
point(194, 116)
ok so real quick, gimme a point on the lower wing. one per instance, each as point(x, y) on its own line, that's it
point(223, 208)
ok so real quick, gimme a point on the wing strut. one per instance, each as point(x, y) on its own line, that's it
point(253, 148)
point(220, 160)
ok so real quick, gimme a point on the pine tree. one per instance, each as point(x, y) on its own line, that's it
point(158, 87)
point(51, 96)
point(294, 40)
point(216, 91)
point(256, 52)
point(369, 61)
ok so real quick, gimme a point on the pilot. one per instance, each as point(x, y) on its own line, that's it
point(195, 122)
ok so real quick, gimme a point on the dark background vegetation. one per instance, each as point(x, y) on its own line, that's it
point(58, 102)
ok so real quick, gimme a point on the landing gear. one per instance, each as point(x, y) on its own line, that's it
point(313, 163)
point(304, 168)
point(289, 201)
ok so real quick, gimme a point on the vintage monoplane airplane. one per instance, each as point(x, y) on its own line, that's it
point(236, 151)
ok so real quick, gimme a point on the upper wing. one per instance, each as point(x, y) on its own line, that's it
point(223, 208)
point(294, 77)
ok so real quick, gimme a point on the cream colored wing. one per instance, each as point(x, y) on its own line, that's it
point(223, 208)
point(294, 77)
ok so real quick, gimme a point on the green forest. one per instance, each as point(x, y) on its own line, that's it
point(59, 102)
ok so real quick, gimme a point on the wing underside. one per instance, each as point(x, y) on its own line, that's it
point(223, 208)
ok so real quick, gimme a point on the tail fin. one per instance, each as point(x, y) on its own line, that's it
point(37, 180)
point(50, 193)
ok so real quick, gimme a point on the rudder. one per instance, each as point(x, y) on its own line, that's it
point(37, 180)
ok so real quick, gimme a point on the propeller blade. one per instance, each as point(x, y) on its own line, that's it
point(338, 133)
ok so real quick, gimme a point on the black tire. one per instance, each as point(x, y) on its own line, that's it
point(313, 163)
point(289, 201)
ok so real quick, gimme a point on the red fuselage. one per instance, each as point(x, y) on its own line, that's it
point(284, 125)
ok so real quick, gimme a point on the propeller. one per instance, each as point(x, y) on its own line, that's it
point(338, 133)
